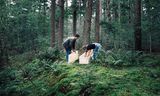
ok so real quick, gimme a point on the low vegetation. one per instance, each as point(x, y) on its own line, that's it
point(114, 73)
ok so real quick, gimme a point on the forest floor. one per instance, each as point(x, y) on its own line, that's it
point(46, 78)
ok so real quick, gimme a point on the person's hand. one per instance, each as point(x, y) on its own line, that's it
point(73, 50)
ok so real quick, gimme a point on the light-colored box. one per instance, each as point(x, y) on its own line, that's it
point(73, 57)
point(85, 60)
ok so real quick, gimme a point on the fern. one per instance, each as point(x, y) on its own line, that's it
point(50, 54)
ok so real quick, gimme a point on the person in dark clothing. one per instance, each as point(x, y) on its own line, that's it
point(69, 45)
point(95, 46)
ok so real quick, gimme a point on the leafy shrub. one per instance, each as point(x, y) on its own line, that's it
point(149, 60)
point(122, 57)
point(37, 66)
point(9, 82)
point(48, 65)
point(30, 70)
point(50, 54)
point(101, 58)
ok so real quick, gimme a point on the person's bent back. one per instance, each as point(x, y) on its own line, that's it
point(69, 45)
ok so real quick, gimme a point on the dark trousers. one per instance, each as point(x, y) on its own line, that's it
point(68, 51)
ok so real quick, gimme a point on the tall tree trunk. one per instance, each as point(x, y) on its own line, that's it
point(80, 18)
point(4, 34)
point(87, 22)
point(100, 14)
point(115, 12)
point(137, 26)
point(97, 21)
point(108, 10)
point(39, 17)
point(66, 5)
point(150, 43)
point(79, 4)
point(129, 12)
point(74, 17)
point(67, 22)
point(74, 22)
point(44, 17)
point(84, 2)
point(61, 24)
point(150, 34)
point(119, 21)
point(119, 11)
point(53, 6)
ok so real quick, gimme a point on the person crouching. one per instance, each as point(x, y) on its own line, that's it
point(95, 46)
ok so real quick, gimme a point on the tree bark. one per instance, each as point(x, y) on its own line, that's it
point(138, 45)
point(67, 21)
point(80, 5)
point(74, 17)
point(87, 22)
point(97, 21)
point(129, 12)
point(74, 22)
point(4, 36)
point(61, 24)
point(44, 17)
point(115, 12)
point(119, 11)
point(53, 3)
point(108, 10)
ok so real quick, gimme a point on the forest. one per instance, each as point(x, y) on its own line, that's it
point(33, 59)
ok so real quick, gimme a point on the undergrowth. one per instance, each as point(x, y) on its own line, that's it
point(114, 73)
